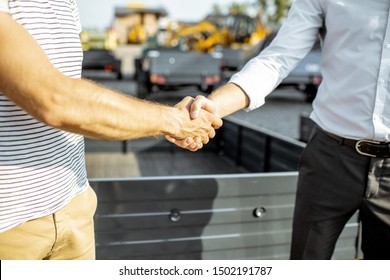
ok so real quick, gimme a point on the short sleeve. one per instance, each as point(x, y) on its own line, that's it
point(76, 15)
point(4, 6)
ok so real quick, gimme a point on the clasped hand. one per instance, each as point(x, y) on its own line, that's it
point(203, 123)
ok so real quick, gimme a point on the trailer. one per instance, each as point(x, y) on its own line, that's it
point(164, 68)
point(234, 199)
point(102, 60)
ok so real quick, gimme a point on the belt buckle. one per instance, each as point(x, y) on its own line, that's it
point(357, 146)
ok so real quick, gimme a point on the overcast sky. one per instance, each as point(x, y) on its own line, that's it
point(99, 13)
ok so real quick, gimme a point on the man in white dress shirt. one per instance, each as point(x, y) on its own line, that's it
point(346, 164)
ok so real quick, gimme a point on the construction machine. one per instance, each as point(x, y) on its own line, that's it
point(230, 34)
point(232, 30)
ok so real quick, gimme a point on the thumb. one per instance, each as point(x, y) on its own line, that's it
point(199, 103)
point(185, 103)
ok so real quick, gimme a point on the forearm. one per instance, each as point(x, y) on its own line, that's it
point(89, 109)
point(98, 112)
point(229, 99)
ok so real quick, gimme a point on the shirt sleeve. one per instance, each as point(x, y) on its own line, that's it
point(4, 6)
point(76, 15)
point(297, 35)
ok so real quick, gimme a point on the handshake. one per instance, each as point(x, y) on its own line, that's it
point(199, 124)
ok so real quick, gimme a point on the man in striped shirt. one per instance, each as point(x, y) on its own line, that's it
point(46, 204)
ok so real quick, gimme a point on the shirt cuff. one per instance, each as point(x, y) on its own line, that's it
point(256, 81)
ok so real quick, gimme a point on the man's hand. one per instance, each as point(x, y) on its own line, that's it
point(200, 102)
point(195, 108)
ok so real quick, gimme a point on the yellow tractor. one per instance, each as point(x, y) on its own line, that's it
point(202, 37)
point(232, 30)
point(231, 35)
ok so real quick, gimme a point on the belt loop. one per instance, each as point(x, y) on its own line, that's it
point(341, 142)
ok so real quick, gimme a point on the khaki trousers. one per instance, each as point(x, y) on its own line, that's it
point(67, 234)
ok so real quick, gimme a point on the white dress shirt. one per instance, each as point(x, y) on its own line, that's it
point(353, 100)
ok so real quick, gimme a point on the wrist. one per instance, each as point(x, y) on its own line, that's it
point(172, 121)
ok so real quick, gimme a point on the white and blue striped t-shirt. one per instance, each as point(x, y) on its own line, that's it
point(41, 168)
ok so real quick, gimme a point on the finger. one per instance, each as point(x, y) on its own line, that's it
point(184, 143)
point(170, 139)
point(217, 123)
point(194, 147)
point(189, 141)
point(205, 140)
point(199, 103)
point(212, 133)
point(185, 102)
point(197, 140)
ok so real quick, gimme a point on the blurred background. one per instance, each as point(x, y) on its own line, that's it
point(190, 10)
point(125, 29)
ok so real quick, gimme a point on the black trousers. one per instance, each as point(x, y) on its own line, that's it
point(334, 182)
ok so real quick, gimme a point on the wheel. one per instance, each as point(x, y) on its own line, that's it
point(118, 67)
point(209, 89)
point(206, 89)
point(142, 90)
point(311, 92)
point(143, 85)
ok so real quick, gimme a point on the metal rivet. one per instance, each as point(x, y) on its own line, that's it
point(258, 212)
point(175, 215)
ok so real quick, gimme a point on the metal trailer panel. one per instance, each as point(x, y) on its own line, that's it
point(185, 68)
point(257, 150)
point(237, 216)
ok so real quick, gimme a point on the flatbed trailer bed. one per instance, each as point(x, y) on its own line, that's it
point(234, 199)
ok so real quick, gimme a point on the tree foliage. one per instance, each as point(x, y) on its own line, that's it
point(274, 10)
point(279, 7)
point(234, 8)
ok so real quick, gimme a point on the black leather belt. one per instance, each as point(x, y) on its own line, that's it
point(370, 148)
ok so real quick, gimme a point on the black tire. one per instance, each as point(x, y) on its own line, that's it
point(118, 67)
point(311, 92)
point(142, 90)
point(143, 85)
point(206, 89)
point(209, 89)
